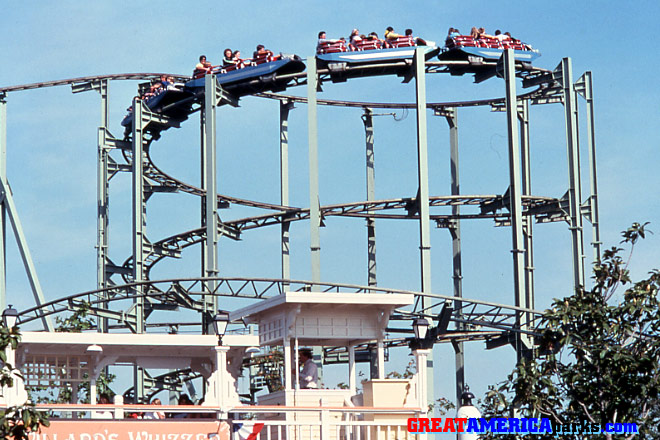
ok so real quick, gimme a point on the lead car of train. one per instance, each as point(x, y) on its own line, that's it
point(270, 72)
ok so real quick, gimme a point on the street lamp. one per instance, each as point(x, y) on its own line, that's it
point(421, 327)
point(220, 321)
point(9, 317)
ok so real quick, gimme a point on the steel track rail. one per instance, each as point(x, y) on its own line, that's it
point(190, 293)
point(431, 66)
point(369, 209)
point(154, 173)
point(93, 78)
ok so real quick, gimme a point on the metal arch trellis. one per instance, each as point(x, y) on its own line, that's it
point(190, 292)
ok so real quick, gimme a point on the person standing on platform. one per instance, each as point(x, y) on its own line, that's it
point(309, 374)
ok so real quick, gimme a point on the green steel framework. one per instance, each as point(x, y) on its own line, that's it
point(509, 324)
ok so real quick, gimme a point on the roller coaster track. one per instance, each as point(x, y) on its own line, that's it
point(88, 79)
point(431, 67)
point(170, 184)
point(172, 246)
point(174, 293)
point(190, 293)
point(490, 205)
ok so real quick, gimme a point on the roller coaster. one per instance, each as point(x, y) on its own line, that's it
point(126, 297)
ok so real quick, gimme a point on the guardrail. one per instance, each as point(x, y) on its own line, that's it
point(268, 422)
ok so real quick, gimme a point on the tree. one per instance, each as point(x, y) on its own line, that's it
point(16, 421)
point(598, 359)
point(77, 322)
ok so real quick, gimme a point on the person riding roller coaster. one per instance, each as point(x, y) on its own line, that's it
point(202, 68)
point(390, 35)
point(323, 41)
point(228, 58)
point(418, 41)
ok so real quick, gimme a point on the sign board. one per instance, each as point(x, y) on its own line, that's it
point(183, 429)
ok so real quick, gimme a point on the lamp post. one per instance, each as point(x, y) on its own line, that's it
point(421, 350)
point(220, 321)
point(420, 327)
point(9, 317)
point(15, 395)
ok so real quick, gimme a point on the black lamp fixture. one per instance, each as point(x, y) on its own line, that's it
point(420, 327)
point(9, 317)
point(220, 321)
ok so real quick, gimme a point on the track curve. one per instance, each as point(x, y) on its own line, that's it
point(190, 293)
point(174, 244)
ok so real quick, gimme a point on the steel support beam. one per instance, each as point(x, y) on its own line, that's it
point(8, 202)
point(455, 230)
point(102, 183)
point(573, 153)
point(367, 119)
point(314, 202)
point(139, 230)
point(3, 209)
point(423, 195)
point(209, 184)
point(8, 208)
point(528, 223)
point(285, 107)
point(515, 200)
point(586, 83)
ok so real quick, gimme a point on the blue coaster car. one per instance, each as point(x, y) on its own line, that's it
point(261, 74)
point(464, 46)
point(370, 57)
point(479, 51)
point(171, 102)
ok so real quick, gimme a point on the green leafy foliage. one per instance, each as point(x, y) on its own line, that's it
point(598, 360)
point(77, 321)
point(16, 421)
point(408, 373)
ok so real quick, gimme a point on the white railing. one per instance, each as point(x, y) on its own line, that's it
point(279, 422)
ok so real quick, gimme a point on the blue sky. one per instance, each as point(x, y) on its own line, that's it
point(52, 141)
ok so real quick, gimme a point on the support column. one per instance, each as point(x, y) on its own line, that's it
point(139, 231)
point(575, 223)
point(421, 358)
point(455, 230)
point(381, 359)
point(285, 107)
point(210, 200)
point(423, 194)
point(352, 377)
point(367, 119)
point(102, 239)
point(26, 256)
point(528, 221)
point(314, 202)
point(220, 377)
point(8, 209)
point(593, 176)
point(515, 201)
point(3, 212)
point(92, 391)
